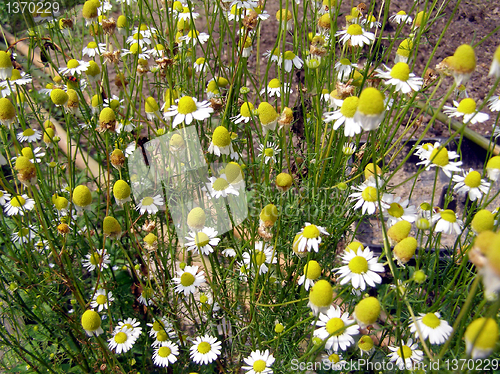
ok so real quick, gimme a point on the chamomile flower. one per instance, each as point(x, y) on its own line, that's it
point(92, 49)
point(150, 204)
point(74, 67)
point(6, 66)
point(4, 197)
point(481, 337)
point(188, 109)
point(336, 328)
point(466, 109)
point(161, 324)
point(344, 68)
point(404, 50)
point(366, 197)
point(274, 88)
point(186, 14)
point(193, 37)
point(371, 21)
point(132, 325)
point(495, 64)
point(101, 300)
point(91, 323)
point(288, 60)
point(440, 157)
point(259, 362)
point(494, 103)
point(268, 153)
point(18, 205)
point(29, 135)
point(189, 280)
point(98, 258)
point(361, 268)
point(165, 354)
point(268, 117)
point(345, 116)
point(401, 17)
point(401, 78)
point(312, 271)
point(260, 257)
point(219, 187)
point(203, 240)
point(371, 109)
point(493, 168)
point(472, 184)
point(447, 222)
point(356, 36)
point(432, 327)
point(205, 350)
point(406, 355)
point(138, 38)
point(24, 235)
point(309, 237)
point(246, 111)
point(462, 64)
point(395, 209)
point(121, 341)
point(20, 78)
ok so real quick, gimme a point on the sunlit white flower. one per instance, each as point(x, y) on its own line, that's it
point(189, 280)
point(259, 362)
point(24, 235)
point(194, 36)
point(336, 328)
point(166, 354)
point(29, 135)
point(344, 69)
point(268, 153)
point(466, 109)
point(203, 240)
point(367, 197)
point(187, 110)
point(361, 268)
point(396, 210)
point(274, 88)
point(345, 116)
point(18, 205)
point(97, 258)
point(92, 49)
point(150, 204)
point(219, 187)
point(472, 184)
point(401, 78)
point(288, 60)
point(136, 49)
point(309, 237)
point(140, 39)
point(440, 157)
point(356, 36)
point(74, 67)
point(121, 341)
point(258, 258)
point(494, 103)
point(432, 327)
point(132, 324)
point(401, 16)
point(4, 197)
point(101, 300)
point(205, 350)
point(407, 355)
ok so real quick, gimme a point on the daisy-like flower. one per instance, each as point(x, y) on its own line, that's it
point(187, 110)
point(337, 327)
point(259, 362)
point(246, 111)
point(481, 337)
point(189, 279)
point(309, 237)
point(132, 325)
point(396, 210)
point(432, 327)
point(361, 268)
point(447, 222)
point(407, 355)
point(165, 354)
point(268, 117)
point(344, 69)
point(147, 296)
point(18, 205)
point(203, 240)
point(495, 64)
point(186, 14)
point(371, 108)
point(4, 197)
point(312, 271)
point(401, 17)
point(260, 257)
point(92, 49)
point(29, 135)
point(20, 78)
point(472, 184)
point(91, 323)
point(150, 204)
point(34, 155)
point(288, 60)
point(367, 197)
point(219, 187)
point(74, 67)
point(200, 65)
point(274, 88)
point(401, 78)
point(268, 153)
point(114, 103)
point(138, 38)
point(494, 103)
point(98, 258)
point(466, 109)
point(136, 49)
point(345, 116)
point(24, 235)
point(440, 157)
point(371, 22)
point(194, 36)
point(121, 341)
point(161, 324)
point(101, 300)
point(205, 349)
point(356, 36)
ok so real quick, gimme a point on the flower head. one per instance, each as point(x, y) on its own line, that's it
point(259, 362)
point(205, 349)
point(336, 328)
point(101, 300)
point(150, 204)
point(356, 36)
point(312, 271)
point(268, 153)
point(189, 280)
point(401, 78)
point(481, 337)
point(166, 354)
point(320, 297)
point(203, 240)
point(440, 157)
point(91, 323)
point(371, 109)
point(472, 184)
point(406, 355)
point(309, 237)
point(448, 223)
point(188, 109)
point(432, 327)
point(466, 109)
point(260, 257)
point(361, 268)
point(122, 340)
point(367, 311)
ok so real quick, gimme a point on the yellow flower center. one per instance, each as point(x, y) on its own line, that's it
point(91, 320)
point(365, 343)
point(267, 113)
point(312, 270)
point(196, 218)
point(401, 13)
point(321, 294)
point(201, 239)
point(464, 59)
point(310, 232)
point(483, 332)
point(151, 105)
point(135, 48)
point(95, 259)
point(7, 110)
point(5, 62)
point(401, 71)
point(354, 29)
point(396, 210)
point(345, 62)
point(431, 320)
point(164, 352)
point(220, 184)
point(367, 310)
point(157, 326)
point(121, 189)
point(58, 96)
point(439, 157)
point(358, 265)
point(161, 336)
point(335, 326)
point(467, 106)
point(405, 48)
point(473, 179)
point(72, 64)
point(204, 347)
point(269, 152)
point(371, 102)
point(260, 258)
point(18, 201)
point(449, 215)
point(289, 55)
point(406, 352)
point(147, 201)
point(259, 366)
point(349, 106)
point(28, 132)
point(274, 83)
point(187, 279)
point(221, 137)
point(369, 194)
point(92, 45)
point(101, 299)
